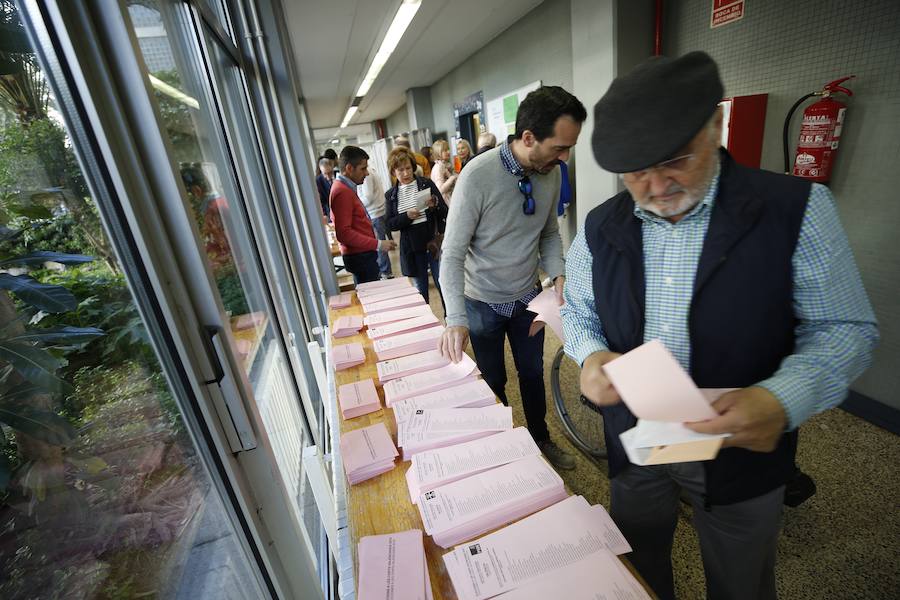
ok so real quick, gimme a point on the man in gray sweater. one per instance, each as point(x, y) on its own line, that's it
point(500, 229)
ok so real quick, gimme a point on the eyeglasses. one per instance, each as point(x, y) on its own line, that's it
point(525, 188)
point(679, 164)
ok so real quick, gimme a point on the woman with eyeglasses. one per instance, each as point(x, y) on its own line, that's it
point(442, 173)
point(420, 223)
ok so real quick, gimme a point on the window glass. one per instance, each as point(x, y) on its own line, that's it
point(204, 113)
point(102, 492)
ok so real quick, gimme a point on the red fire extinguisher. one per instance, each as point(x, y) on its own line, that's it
point(820, 132)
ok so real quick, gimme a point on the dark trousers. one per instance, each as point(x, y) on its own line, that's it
point(363, 266)
point(381, 232)
point(737, 541)
point(422, 262)
point(487, 331)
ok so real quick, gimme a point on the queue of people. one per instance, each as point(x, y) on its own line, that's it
point(694, 241)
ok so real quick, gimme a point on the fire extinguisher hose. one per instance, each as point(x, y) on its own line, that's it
point(787, 126)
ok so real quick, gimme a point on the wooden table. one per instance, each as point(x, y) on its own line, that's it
point(382, 505)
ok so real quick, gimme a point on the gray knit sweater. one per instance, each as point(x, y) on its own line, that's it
point(491, 249)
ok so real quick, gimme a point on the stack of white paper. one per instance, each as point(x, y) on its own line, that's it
point(404, 326)
point(465, 509)
point(358, 398)
point(409, 365)
point(392, 316)
point(662, 403)
point(394, 304)
point(435, 468)
point(440, 427)
point(347, 355)
point(347, 326)
point(393, 567)
point(469, 394)
point(408, 343)
point(367, 452)
point(339, 301)
point(430, 381)
point(604, 576)
point(568, 532)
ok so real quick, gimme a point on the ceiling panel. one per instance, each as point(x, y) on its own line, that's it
point(334, 42)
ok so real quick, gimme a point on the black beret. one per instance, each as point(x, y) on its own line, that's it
point(647, 115)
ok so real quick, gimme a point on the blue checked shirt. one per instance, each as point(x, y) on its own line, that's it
point(836, 331)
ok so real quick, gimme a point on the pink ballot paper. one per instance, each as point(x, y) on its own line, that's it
point(466, 394)
point(392, 316)
point(662, 442)
point(358, 398)
point(339, 301)
point(546, 307)
point(389, 294)
point(347, 326)
point(439, 427)
point(347, 355)
point(604, 576)
point(435, 468)
point(394, 304)
point(654, 386)
point(410, 365)
point(393, 567)
point(254, 319)
point(367, 452)
point(570, 531)
point(404, 326)
point(467, 508)
point(430, 381)
point(375, 287)
point(405, 344)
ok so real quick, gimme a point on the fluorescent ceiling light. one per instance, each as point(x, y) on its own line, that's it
point(401, 21)
point(350, 112)
point(173, 92)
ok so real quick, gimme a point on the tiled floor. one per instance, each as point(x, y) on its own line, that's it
point(842, 543)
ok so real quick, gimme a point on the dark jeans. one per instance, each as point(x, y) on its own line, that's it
point(363, 266)
point(487, 331)
point(384, 261)
point(422, 262)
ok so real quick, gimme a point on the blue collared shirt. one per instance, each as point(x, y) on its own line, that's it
point(836, 330)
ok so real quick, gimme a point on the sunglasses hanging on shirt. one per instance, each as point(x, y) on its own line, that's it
point(525, 188)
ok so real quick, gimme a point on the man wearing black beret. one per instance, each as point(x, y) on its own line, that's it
point(748, 279)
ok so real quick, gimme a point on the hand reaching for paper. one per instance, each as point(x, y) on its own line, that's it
point(453, 342)
point(595, 386)
point(753, 416)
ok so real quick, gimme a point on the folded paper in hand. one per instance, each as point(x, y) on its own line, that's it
point(663, 397)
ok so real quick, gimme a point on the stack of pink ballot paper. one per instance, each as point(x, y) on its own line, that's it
point(393, 567)
point(367, 452)
point(393, 304)
point(392, 316)
point(469, 394)
point(347, 326)
point(376, 332)
point(348, 355)
point(440, 427)
point(374, 287)
point(467, 508)
point(339, 301)
point(384, 294)
point(359, 398)
point(254, 319)
point(540, 546)
point(405, 344)
point(435, 468)
point(430, 381)
point(410, 365)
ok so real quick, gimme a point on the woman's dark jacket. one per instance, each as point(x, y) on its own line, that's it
point(414, 238)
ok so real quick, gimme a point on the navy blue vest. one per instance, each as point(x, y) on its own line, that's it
point(741, 319)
